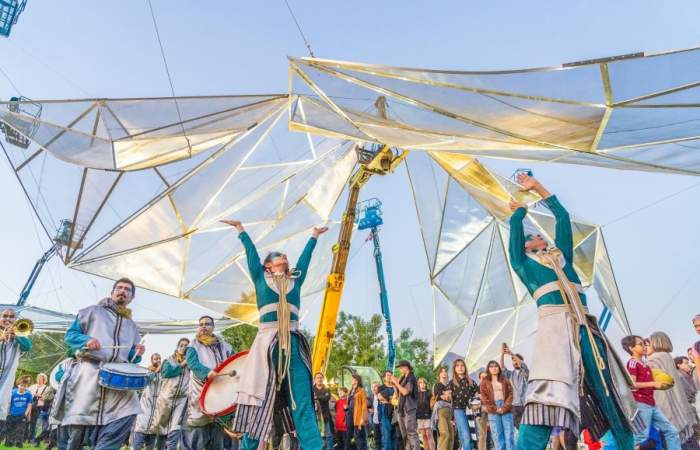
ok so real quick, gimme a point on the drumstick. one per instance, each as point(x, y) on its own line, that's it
point(140, 343)
point(108, 346)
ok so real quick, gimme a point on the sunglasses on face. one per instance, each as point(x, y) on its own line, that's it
point(8, 316)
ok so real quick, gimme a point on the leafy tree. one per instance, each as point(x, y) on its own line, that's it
point(358, 342)
point(240, 337)
point(48, 350)
point(417, 352)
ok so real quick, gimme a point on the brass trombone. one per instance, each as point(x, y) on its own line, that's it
point(21, 327)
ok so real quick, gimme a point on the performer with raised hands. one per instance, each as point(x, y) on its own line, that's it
point(102, 333)
point(205, 352)
point(172, 402)
point(279, 360)
point(576, 379)
point(11, 347)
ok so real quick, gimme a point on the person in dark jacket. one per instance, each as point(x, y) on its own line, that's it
point(322, 398)
point(497, 398)
point(423, 413)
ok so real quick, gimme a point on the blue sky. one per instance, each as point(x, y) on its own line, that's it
point(74, 49)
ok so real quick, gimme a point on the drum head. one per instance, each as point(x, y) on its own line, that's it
point(218, 393)
point(125, 368)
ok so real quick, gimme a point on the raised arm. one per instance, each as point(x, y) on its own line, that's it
point(564, 239)
point(74, 338)
point(305, 257)
point(252, 257)
point(516, 244)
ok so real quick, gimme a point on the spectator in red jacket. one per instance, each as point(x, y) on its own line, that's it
point(341, 427)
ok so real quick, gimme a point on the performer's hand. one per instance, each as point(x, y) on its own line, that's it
point(212, 374)
point(235, 224)
point(659, 385)
point(515, 205)
point(317, 231)
point(140, 349)
point(93, 344)
point(526, 182)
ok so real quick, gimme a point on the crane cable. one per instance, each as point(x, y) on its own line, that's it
point(170, 79)
point(301, 32)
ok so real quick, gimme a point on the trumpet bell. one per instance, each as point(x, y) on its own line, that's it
point(23, 327)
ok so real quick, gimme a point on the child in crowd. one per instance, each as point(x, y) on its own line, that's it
point(644, 386)
point(20, 409)
point(341, 428)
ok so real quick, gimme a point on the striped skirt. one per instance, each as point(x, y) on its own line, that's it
point(257, 421)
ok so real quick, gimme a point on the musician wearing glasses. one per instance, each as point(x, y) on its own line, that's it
point(279, 359)
point(102, 333)
point(172, 402)
point(205, 352)
point(11, 347)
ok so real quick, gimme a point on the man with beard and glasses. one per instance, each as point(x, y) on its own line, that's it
point(147, 430)
point(172, 402)
point(11, 347)
point(203, 355)
point(88, 412)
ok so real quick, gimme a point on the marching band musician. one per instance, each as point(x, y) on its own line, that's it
point(11, 347)
point(147, 430)
point(203, 354)
point(87, 411)
point(172, 402)
point(279, 358)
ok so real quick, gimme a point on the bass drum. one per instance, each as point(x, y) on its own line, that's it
point(218, 393)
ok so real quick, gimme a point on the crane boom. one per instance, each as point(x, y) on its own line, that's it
point(380, 160)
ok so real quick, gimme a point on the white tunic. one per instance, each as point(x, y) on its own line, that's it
point(9, 359)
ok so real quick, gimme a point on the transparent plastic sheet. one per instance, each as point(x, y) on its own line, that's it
point(620, 112)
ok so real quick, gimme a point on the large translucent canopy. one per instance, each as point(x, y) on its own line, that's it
point(159, 225)
point(463, 213)
point(637, 111)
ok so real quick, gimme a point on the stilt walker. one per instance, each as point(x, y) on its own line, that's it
point(279, 359)
point(576, 379)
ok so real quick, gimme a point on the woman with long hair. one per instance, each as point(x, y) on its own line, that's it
point(672, 402)
point(423, 413)
point(356, 414)
point(442, 411)
point(497, 398)
point(279, 360)
point(463, 390)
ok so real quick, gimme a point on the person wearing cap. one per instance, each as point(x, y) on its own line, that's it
point(407, 387)
point(575, 372)
point(11, 347)
point(280, 357)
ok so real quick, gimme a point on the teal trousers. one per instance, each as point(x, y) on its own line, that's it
point(536, 437)
point(300, 403)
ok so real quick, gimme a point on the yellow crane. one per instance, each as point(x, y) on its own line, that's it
point(374, 160)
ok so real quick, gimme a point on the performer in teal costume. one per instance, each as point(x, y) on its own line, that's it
point(277, 379)
point(572, 383)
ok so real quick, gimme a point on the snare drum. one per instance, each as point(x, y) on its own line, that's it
point(218, 393)
point(124, 376)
